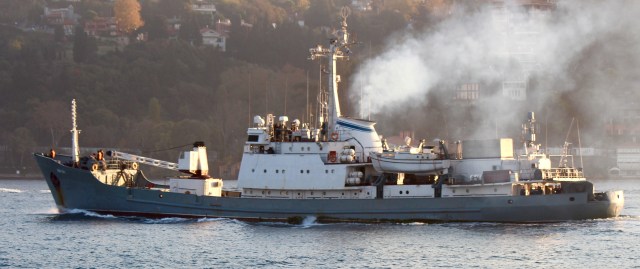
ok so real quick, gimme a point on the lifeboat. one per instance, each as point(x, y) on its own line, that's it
point(408, 160)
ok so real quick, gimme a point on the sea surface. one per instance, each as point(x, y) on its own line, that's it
point(34, 235)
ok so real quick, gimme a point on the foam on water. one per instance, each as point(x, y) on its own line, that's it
point(10, 190)
point(171, 220)
point(87, 213)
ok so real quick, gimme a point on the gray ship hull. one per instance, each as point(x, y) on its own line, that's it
point(74, 188)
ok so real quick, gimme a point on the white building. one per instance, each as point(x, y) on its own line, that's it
point(211, 37)
point(519, 35)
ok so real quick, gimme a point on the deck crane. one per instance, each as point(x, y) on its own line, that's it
point(192, 162)
point(142, 160)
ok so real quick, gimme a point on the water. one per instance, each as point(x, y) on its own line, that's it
point(34, 235)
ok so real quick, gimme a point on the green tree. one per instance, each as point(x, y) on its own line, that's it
point(84, 47)
point(22, 144)
point(154, 109)
point(156, 28)
point(190, 31)
point(58, 34)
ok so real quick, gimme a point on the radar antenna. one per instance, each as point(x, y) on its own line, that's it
point(338, 49)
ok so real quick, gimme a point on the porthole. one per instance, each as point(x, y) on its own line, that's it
point(454, 191)
point(326, 171)
point(277, 171)
point(265, 170)
point(311, 193)
point(510, 201)
point(160, 195)
point(572, 199)
point(407, 192)
point(400, 192)
point(343, 193)
point(467, 190)
point(301, 171)
point(331, 171)
point(495, 189)
point(307, 171)
point(308, 148)
point(262, 192)
point(283, 171)
point(253, 170)
point(301, 148)
point(324, 193)
point(368, 193)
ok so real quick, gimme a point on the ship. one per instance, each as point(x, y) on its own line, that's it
point(339, 170)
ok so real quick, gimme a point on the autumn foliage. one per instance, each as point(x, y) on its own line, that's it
point(127, 13)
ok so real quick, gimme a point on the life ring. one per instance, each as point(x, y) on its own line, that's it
point(334, 136)
point(134, 165)
point(332, 158)
point(94, 167)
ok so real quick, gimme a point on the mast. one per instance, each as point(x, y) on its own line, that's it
point(338, 48)
point(75, 149)
point(529, 133)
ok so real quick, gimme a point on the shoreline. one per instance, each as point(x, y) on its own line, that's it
point(21, 176)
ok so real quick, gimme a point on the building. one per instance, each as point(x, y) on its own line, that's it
point(64, 17)
point(519, 34)
point(102, 27)
point(467, 92)
point(214, 38)
point(204, 7)
point(623, 129)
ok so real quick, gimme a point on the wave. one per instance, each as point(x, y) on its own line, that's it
point(44, 191)
point(10, 190)
point(213, 220)
point(171, 220)
point(304, 223)
point(80, 214)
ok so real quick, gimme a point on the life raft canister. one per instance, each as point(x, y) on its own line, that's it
point(334, 136)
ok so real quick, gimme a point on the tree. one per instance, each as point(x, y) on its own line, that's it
point(22, 143)
point(156, 28)
point(127, 12)
point(190, 32)
point(84, 47)
point(58, 34)
point(154, 109)
point(320, 14)
point(174, 8)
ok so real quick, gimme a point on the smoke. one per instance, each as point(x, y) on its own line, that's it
point(577, 59)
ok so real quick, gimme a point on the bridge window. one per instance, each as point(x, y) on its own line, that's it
point(253, 138)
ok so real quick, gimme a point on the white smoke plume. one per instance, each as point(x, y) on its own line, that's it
point(578, 55)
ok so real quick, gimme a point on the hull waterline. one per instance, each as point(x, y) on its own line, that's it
point(79, 189)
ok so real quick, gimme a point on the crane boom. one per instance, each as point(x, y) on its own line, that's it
point(143, 160)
